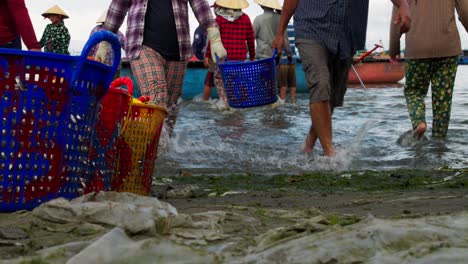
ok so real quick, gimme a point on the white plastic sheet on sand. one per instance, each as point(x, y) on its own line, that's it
point(134, 213)
point(441, 239)
point(117, 247)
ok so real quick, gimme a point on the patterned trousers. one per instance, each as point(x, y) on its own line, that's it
point(161, 80)
point(218, 82)
point(440, 74)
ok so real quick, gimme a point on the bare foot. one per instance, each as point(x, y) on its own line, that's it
point(309, 143)
point(329, 152)
point(420, 130)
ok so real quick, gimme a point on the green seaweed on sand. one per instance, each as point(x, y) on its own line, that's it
point(369, 180)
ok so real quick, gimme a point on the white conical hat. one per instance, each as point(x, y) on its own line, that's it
point(274, 4)
point(103, 16)
point(234, 4)
point(55, 10)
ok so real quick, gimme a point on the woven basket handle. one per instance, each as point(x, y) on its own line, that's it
point(95, 39)
point(123, 81)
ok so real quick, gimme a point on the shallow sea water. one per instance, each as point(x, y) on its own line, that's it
point(268, 140)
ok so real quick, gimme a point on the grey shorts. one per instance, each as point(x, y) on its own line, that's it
point(326, 75)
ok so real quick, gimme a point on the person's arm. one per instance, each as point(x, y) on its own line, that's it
point(24, 27)
point(403, 16)
point(462, 10)
point(395, 36)
point(250, 38)
point(115, 16)
point(202, 12)
point(289, 7)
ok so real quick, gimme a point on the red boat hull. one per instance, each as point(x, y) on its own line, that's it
point(377, 72)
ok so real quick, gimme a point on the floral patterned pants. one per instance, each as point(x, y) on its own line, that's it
point(440, 74)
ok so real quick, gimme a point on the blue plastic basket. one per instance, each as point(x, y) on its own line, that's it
point(48, 106)
point(250, 83)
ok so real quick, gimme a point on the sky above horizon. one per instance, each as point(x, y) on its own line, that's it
point(84, 13)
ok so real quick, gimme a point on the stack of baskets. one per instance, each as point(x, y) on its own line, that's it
point(48, 107)
point(127, 140)
point(250, 83)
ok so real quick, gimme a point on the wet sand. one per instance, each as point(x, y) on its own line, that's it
point(386, 194)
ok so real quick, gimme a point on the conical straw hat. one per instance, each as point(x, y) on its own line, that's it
point(55, 10)
point(269, 3)
point(234, 4)
point(102, 18)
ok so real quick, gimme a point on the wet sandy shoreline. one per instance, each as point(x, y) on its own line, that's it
point(396, 193)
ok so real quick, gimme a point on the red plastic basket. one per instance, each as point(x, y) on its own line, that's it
point(106, 140)
point(128, 140)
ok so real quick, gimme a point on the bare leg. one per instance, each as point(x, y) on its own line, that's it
point(321, 118)
point(312, 137)
point(283, 92)
point(206, 93)
point(310, 140)
point(292, 91)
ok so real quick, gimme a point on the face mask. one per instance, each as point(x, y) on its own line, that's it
point(228, 13)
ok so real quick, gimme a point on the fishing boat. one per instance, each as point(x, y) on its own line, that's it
point(377, 71)
point(371, 71)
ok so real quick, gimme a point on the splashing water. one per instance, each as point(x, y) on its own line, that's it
point(212, 140)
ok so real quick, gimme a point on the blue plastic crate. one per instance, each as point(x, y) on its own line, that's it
point(250, 83)
point(49, 104)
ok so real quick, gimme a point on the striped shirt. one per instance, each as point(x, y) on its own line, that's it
point(136, 10)
point(237, 36)
point(340, 25)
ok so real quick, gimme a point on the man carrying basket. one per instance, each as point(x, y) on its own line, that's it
point(328, 33)
point(158, 45)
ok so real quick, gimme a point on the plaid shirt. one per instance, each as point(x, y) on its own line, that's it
point(234, 36)
point(136, 10)
point(339, 25)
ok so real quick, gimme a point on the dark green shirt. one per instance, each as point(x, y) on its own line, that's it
point(56, 38)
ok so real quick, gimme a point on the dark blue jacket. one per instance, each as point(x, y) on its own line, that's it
point(199, 43)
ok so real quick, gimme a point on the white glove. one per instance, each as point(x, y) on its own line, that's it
point(101, 53)
point(217, 47)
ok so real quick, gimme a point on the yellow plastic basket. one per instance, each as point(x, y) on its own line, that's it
point(139, 145)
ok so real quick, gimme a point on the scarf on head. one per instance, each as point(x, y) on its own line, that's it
point(228, 13)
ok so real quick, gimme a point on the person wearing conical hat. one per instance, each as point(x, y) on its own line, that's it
point(159, 45)
point(100, 22)
point(237, 35)
point(265, 27)
point(55, 38)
